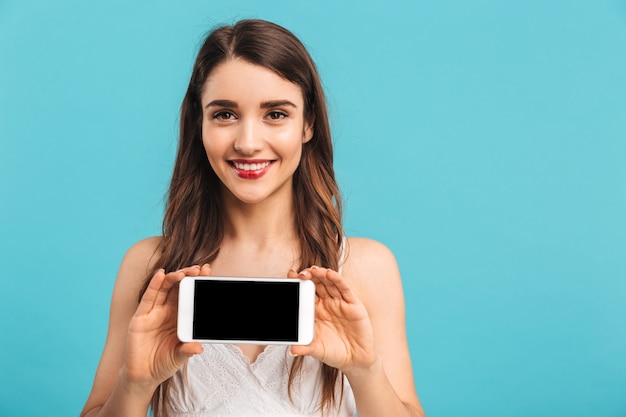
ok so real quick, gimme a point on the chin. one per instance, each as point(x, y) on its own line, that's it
point(250, 199)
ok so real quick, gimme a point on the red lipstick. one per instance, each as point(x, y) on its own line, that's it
point(251, 169)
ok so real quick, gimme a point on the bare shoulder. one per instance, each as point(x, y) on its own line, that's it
point(140, 258)
point(143, 254)
point(370, 259)
point(369, 252)
point(372, 269)
point(136, 266)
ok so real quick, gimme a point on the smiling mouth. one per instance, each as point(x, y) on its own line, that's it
point(255, 166)
point(251, 169)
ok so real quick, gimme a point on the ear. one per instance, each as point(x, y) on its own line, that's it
point(307, 135)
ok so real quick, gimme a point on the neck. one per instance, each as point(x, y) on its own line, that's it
point(261, 224)
point(259, 240)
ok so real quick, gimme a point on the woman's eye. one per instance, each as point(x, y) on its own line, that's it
point(276, 115)
point(224, 115)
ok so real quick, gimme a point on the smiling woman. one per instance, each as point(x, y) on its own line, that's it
point(253, 129)
point(253, 194)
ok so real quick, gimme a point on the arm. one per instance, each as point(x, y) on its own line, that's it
point(361, 330)
point(141, 349)
point(387, 386)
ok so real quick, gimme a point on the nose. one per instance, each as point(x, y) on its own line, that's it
point(248, 140)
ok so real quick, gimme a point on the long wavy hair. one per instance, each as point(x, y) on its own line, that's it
point(193, 224)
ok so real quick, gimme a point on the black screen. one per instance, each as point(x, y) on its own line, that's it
point(246, 310)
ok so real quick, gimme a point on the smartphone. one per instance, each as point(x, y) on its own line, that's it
point(246, 310)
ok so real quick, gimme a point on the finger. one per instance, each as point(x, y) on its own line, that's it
point(172, 280)
point(292, 274)
point(315, 350)
point(151, 294)
point(205, 270)
point(302, 350)
point(305, 273)
point(322, 275)
point(299, 350)
point(320, 290)
point(191, 271)
point(340, 285)
point(186, 350)
point(196, 270)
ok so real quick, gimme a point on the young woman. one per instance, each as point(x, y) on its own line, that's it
point(253, 194)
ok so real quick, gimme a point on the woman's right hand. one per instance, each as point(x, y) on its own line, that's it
point(153, 351)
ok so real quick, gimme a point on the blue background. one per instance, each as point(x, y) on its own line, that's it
point(483, 141)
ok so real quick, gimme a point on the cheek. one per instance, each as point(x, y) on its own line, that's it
point(212, 155)
point(295, 153)
point(212, 143)
point(289, 148)
point(290, 140)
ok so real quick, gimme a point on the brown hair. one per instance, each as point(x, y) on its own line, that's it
point(193, 226)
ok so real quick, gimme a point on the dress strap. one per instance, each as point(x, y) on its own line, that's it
point(342, 255)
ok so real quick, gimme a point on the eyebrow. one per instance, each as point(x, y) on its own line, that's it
point(277, 103)
point(221, 103)
point(264, 105)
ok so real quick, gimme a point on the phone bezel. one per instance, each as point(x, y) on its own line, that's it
point(306, 312)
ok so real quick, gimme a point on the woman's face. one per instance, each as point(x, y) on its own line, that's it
point(253, 129)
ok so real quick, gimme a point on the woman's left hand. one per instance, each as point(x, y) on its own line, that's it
point(344, 338)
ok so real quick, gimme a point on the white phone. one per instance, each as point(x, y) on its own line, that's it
point(246, 310)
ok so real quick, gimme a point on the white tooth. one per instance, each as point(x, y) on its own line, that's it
point(251, 167)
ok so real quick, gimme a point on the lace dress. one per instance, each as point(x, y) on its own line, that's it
point(221, 382)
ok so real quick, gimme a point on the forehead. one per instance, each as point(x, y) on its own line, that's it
point(241, 81)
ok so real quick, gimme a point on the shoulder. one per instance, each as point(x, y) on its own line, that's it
point(365, 252)
point(134, 271)
point(372, 270)
point(143, 254)
point(368, 256)
point(139, 261)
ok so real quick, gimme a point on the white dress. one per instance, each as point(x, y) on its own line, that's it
point(221, 382)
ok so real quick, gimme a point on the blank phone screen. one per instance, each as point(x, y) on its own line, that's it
point(246, 310)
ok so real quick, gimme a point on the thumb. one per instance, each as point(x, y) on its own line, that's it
point(186, 350)
point(301, 350)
